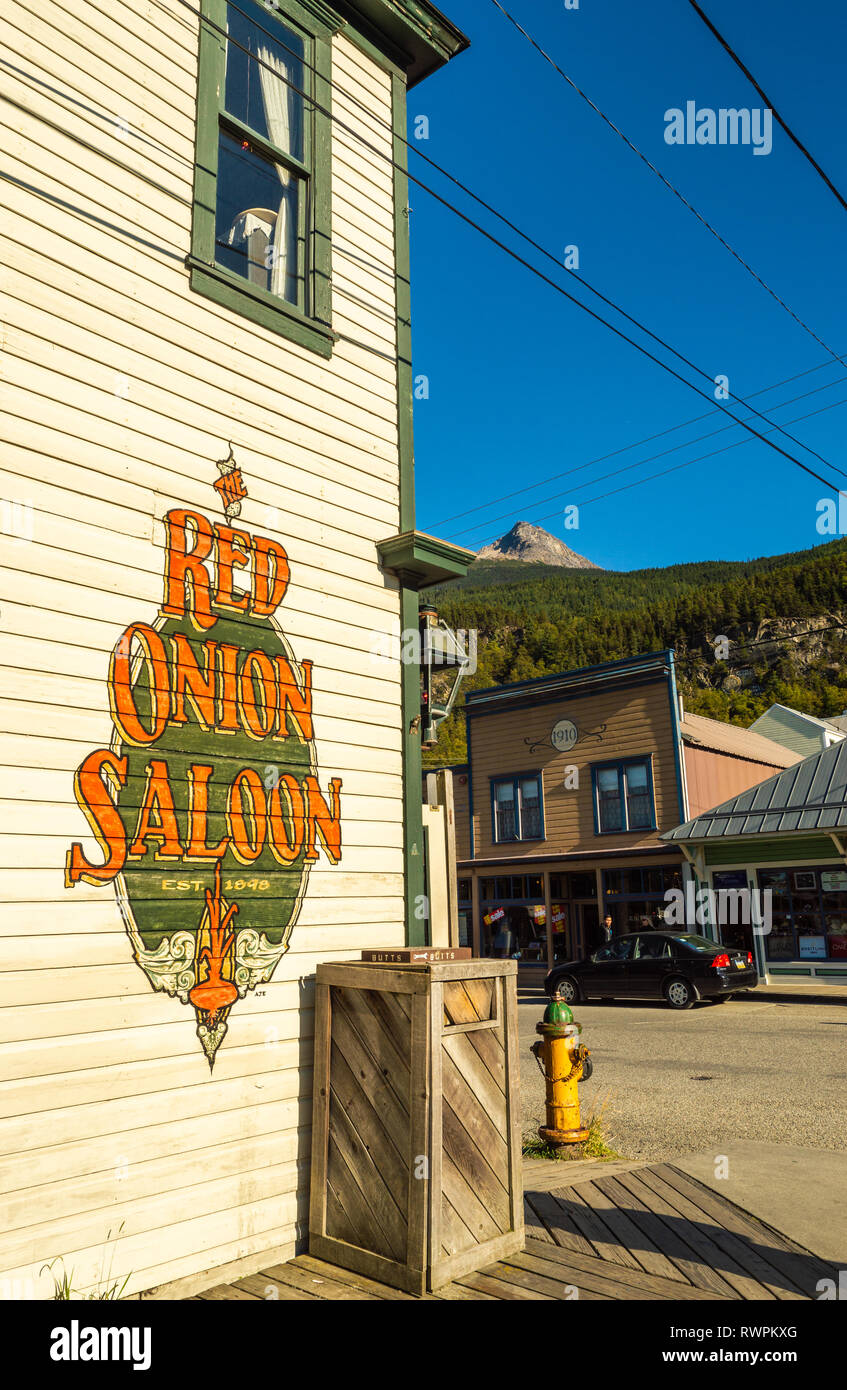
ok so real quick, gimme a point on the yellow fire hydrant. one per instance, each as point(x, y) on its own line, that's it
point(565, 1063)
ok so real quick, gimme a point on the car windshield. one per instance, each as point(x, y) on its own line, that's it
point(697, 943)
point(617, 950)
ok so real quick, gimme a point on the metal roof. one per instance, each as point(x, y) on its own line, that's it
point(718, 737)
point(810, 796)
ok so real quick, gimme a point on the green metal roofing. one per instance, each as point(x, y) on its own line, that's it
point(811, 795)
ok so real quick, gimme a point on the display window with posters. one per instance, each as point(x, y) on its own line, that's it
point(808, 911)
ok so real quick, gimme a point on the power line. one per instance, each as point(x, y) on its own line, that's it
point(666, 181)
point(679, 466)
point(688, 443)
point(766, 99)
point(513, 227)
point(649, 439)
point(489, 236)
point(789, 637)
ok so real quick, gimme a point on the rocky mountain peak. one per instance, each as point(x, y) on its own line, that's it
point(535, 546)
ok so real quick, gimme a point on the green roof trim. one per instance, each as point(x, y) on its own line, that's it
point(419, 38)
point(419, 560)
point(777, 849)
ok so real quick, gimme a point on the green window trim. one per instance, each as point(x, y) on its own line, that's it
point(308, 325)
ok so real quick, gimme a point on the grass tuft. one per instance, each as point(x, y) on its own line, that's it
point(106, 1288)
point(595, 1146)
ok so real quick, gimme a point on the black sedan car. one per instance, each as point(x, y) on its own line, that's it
point(674, 966)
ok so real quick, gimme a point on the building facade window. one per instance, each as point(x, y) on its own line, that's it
point(808, 913)
point(516, 808)
point(623, 796)
point(261, 226)
point(636, 899)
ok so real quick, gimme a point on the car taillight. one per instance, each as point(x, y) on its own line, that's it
point(749, 957)
point(721, 962)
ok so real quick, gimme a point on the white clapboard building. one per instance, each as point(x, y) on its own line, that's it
point(210, 748)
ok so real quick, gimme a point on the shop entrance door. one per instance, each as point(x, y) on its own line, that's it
point(587, 930)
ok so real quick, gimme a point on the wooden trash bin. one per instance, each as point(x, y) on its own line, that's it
point(416, 1139)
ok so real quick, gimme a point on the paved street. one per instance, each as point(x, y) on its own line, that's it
point(776, 1069)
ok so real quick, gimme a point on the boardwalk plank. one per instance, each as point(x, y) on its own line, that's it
point(315, 1285)
point(763, 1252)
point(502, 1288)
point(727, 1270)
point(533, 1224)
point(602, 1274)
point(670, 1234)
point(227, 1292)
point(628, 1235)
point(595, 1231)
point(347, 1276)
point(559, 1222)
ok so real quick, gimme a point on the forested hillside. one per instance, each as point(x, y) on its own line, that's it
point(782, 617)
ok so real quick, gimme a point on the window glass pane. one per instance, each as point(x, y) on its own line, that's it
point(639, 809)
point(582, 885)
point(262, 93)
point(530, 809)
point(257, 217)
point(505, 821)
point(609, 808)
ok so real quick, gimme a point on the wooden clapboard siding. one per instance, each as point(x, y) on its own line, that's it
point(121, 389)
point(638, 723)
point(461, 811)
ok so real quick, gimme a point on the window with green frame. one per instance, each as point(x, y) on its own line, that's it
point(261, 226)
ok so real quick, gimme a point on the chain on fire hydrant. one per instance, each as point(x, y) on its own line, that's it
point(565, 1063)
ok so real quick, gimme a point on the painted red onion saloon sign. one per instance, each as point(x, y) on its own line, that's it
point(207, 806)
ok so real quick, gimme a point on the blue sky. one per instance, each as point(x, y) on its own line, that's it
point(522, 384)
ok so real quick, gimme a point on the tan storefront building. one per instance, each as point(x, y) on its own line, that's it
point(571, 781)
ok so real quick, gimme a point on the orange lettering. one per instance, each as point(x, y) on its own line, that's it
point(198, 808)
point(284, 847)
point(102, 815)
point(122, 692)
point(257, 716)
point(323, 821)
point(270, 576)
point(186, 577)
point(189, 681)
point(157, 816)
point(246, 787)
point(293, 701)
point(233, 548)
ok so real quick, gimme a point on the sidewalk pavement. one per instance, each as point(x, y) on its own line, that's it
point(790, 989)
point(800, 1192)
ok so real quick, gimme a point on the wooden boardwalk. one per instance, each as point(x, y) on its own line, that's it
point(597, 1231)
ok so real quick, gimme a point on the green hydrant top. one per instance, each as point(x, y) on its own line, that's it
point(557, 1011)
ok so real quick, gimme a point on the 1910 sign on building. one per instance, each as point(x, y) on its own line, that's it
point(206, 805)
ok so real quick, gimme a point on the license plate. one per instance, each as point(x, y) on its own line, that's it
point(740, 964)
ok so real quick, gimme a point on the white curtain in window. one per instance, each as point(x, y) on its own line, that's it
point(281, 112)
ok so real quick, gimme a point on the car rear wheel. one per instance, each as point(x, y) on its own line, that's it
point(679, 994)
point(568, 989)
